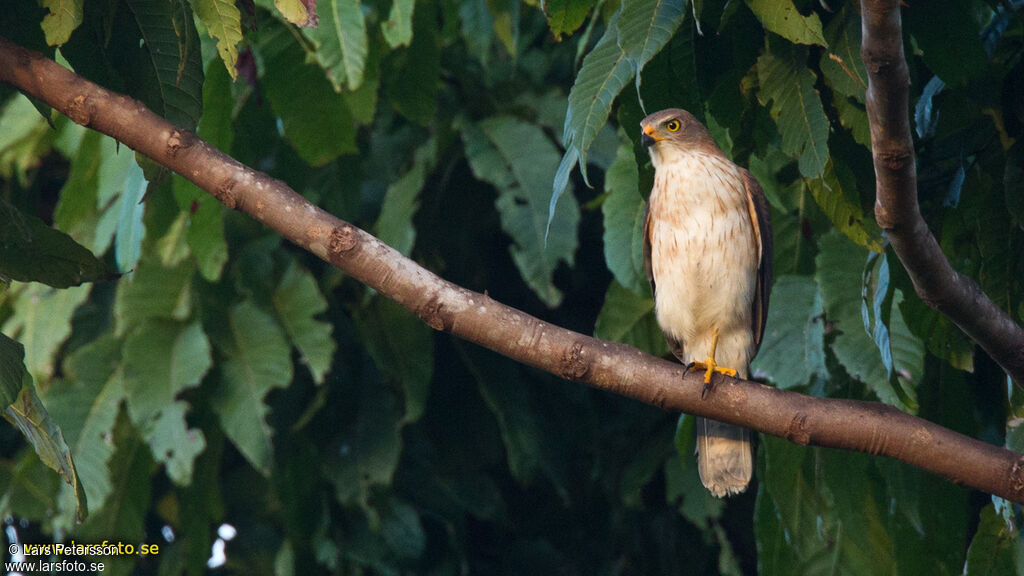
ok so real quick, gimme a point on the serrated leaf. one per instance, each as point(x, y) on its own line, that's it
point(341, 42)
point(841, 63)
point(788, 85)
point(315, 119)
point(623, 211)
point(123, 516)
point(397, 28)
point(401, 201)
point(86, 405)
point(840, 269)
point(258, 359)
point(782, 18)
point(153, 291)
point(223, 21)
point(644, 27)
point(298, 301)
point(29, 415)
point(793, 349)
point(172, 47)
point(31, 251)
point(532, 159)
point(163, 358)
point(64, 17)
point(836, 195)
point(42, 322)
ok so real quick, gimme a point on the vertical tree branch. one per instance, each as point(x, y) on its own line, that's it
point(896, 207)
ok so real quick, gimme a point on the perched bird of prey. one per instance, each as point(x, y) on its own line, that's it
point(708, 256)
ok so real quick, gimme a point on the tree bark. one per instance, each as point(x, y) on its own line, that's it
point(862, 426)
point(896, 208)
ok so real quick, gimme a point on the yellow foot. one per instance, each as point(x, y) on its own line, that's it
point(709, 366)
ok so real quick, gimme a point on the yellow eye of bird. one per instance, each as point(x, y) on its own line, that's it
point(672, 126)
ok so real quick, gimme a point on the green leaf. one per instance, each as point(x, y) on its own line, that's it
point(205, 231)
point(401, 201)
point(293, 11)
point(258, 359)
point(414, 72)
point(86, 405)
point(130, 229)
point(604, 74)
point(949, 39)
point(836, 194)
point(163, 358)
point(314, 117)
point(153, 291)
point(623, 211)
point(297, 301)
point(31, 251)
point(223, 21)
point(531, 160)
point(629, 318)
point(782, 18)
point(645, 26)
point(565, 16)
point(840, 269)
point(340, 41)
point(64, 17)
point(477, 27)
point(788, 85)
point(29, 415)
point(793, 349)
point(172, 47)
point(402, 346)
point(993, 549)
point(42, 322)
point(12, 369)
point(841, 63)
point(24, 137)
point(397, 28)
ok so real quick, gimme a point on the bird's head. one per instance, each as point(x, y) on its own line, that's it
point(674, 130)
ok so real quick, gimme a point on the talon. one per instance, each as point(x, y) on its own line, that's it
point(710, 366)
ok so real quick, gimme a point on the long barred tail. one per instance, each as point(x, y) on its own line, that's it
point(725, 457)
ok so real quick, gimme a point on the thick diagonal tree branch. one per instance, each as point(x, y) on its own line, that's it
point(896, 208)
point(862, 426)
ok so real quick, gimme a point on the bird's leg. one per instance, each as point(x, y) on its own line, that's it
point(710, 366)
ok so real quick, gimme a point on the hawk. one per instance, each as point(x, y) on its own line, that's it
point(708, 256)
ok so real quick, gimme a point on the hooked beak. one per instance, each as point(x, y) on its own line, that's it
point(648, 138)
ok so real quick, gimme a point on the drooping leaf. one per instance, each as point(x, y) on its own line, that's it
point(29, 415)
point(42, 322)
point(840, 270)
point(531, 160)
point(623, 211)
point(315, 119)
point(172, 52)
point(85, 405)
point(130, 228)
point(782, 18)
point(163, 358)
point(31, 251)
point(645, 26)
point(788, 86)
point(836, 194)
point(398, 27)
point(793, 349)
point(258, 360)
point(223, 21)
point(12, 370)
point(565, 16)
point(298, 301)
point(401, 201)
point(64, 17)
point(341, 42)
point(841, 64)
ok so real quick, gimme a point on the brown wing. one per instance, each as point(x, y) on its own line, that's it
point(759, 217)
point(674, 345)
